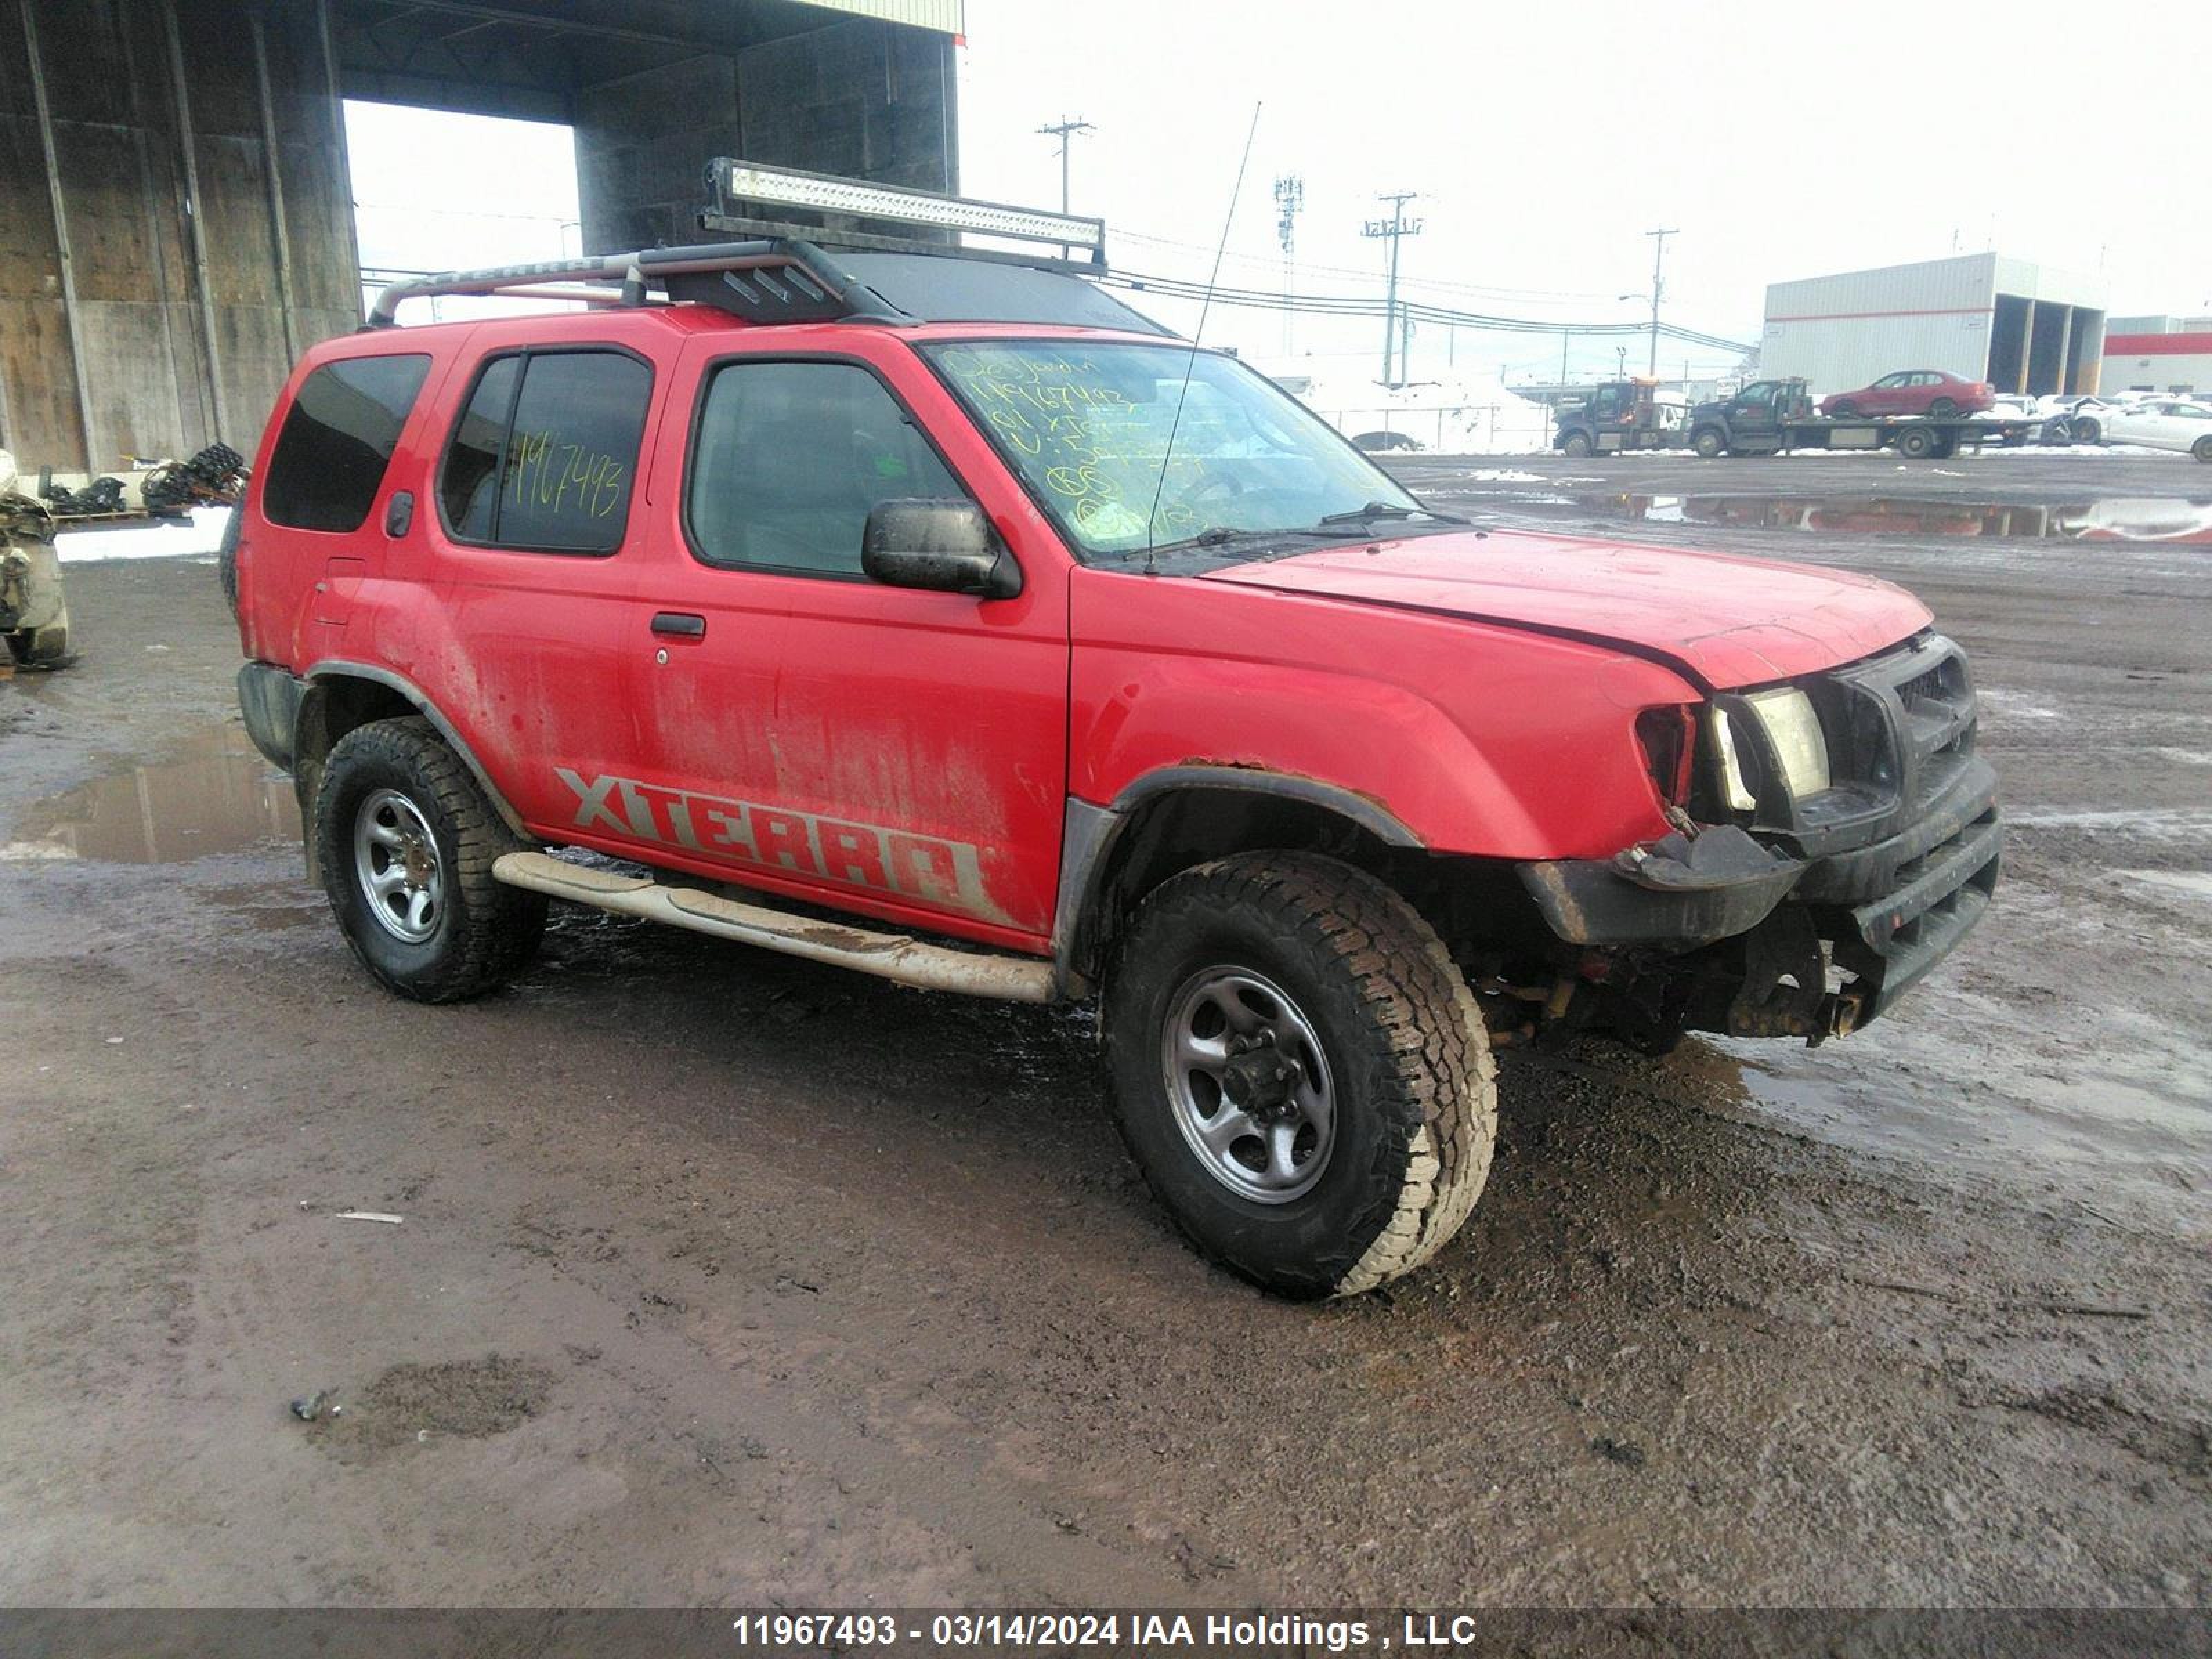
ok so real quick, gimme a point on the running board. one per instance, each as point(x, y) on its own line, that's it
point(887, 955)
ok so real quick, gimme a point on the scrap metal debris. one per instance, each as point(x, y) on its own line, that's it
point(371, 1215)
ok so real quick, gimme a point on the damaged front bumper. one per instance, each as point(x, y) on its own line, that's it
point(1768, 932)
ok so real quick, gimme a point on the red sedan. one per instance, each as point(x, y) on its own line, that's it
point(1913, 392)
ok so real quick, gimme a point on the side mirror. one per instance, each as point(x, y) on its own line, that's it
point(945, 546)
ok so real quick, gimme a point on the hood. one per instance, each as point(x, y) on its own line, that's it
point(1728, 621)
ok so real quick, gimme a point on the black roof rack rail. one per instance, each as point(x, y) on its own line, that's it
point(768, 280)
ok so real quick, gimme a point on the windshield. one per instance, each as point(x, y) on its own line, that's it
point(1087, 428)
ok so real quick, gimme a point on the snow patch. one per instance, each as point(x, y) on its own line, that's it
point(200, 533)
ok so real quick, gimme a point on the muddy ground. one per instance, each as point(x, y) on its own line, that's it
point(724, 1278)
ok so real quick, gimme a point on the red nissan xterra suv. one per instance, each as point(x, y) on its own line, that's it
point(1062, 660)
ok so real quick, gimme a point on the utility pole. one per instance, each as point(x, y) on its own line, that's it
point(1289, 196)
point(1658, 256)
point(1064, 130)
point(1395, 228)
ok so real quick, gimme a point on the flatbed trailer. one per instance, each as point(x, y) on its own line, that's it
point(1772, 417)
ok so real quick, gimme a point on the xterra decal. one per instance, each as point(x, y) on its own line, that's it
point(945, 874)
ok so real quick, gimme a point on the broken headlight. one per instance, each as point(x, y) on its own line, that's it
point(1793, 735)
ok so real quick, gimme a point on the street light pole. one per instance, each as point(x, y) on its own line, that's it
point(1658, 256)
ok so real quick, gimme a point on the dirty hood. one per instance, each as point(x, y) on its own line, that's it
point(1729, 621)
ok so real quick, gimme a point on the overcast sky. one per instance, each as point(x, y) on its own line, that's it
point(1780, 141)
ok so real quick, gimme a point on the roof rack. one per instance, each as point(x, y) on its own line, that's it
point(783, 275)
point(782, 280)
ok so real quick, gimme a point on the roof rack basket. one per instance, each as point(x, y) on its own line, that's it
point(781, 274)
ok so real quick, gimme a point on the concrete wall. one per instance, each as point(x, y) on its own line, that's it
point(201, 255)
point(176, 222)
point(865, 99)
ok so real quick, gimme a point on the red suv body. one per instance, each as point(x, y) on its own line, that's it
point(1216, 665)
point(1913, 392)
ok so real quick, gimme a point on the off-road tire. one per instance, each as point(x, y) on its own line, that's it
point(1708, 444)
point(1415, 1082)
point(1576, 444)
point(484, 930)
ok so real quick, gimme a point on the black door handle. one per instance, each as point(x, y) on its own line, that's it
point(681, 624)
point(399, 514)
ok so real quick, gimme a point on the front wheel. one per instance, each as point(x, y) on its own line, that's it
point(1300, 1072)
point(1845, 412)
point(1577, 445)
point(1707, 445)
point(406, 840)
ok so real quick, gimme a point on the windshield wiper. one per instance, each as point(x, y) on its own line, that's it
point(1382, 510)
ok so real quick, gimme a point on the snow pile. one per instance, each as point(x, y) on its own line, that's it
point(1458, 415)
point(169, 538)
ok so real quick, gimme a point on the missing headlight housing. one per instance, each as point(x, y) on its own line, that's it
point(1794, 742)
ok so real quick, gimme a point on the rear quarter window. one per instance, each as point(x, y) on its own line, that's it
point(337, 440)
point(544, 457)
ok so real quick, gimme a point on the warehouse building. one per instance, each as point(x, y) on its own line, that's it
point(2158, 354)
point(2021, 326)
point(174, 196)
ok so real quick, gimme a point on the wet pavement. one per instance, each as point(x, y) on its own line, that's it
point(724, 1276)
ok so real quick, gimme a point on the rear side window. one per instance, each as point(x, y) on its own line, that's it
point(337, 440)
point(544, 457)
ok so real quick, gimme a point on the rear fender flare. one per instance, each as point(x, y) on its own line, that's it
point(333, 668)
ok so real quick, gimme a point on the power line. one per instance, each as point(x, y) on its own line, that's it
point(1349, 305)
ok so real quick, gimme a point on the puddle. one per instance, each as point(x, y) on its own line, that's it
point(220, 796)
point(2118, 518)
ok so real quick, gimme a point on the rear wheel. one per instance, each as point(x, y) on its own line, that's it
point(406, 840)
point(2202, 449)
point(1943, 409)
point(2087, 429)
point(1916, 444)
point(1300, 1072)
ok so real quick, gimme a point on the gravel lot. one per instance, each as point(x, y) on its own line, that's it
point(724, 1278)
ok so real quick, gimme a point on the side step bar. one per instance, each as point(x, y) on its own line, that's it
point(887, 955)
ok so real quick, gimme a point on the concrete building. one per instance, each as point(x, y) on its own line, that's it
point(2158, 354)
point(2021, 326)
point(176, 218)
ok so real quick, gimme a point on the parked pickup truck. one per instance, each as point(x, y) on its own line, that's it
point(1770, 418)
point(947, 620)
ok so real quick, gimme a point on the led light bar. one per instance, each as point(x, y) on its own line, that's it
point(735, 181)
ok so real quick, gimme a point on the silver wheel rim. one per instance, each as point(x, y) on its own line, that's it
point(395, 861)
point(1248, 1085)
